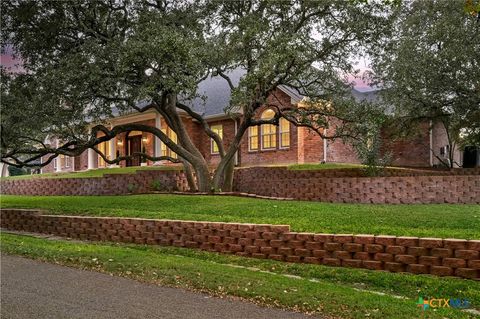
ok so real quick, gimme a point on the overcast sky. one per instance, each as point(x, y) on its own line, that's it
point(7, 60)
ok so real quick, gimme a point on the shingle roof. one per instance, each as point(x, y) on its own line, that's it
point(214, 95)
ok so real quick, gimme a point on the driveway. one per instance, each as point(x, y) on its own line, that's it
point(32, 289)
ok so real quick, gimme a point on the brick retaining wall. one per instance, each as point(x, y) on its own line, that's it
point(337, 185)
point(409, 186)
point(441, 257)
point(110, 184)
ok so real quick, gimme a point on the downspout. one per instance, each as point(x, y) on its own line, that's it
point(325, 146)
point(431, 143)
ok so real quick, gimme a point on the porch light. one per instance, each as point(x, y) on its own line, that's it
point(119, 142)
point(144, 139)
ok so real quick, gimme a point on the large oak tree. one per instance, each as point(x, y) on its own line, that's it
point(83, 58)
point(430, 69)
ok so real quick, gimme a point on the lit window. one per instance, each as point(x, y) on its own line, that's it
point(173, 136)
point(104, 148)
point(253, 138)
point(284, 133)
point(219, 130)
point(269, 131)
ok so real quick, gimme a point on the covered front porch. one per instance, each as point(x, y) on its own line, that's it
point(133, 142)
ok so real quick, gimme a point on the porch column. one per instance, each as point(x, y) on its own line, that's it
point(158, 147)
point(59, 164)
point(58, 159)
point(91, 158)
point(111, 145)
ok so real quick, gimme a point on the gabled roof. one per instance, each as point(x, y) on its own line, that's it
point(214, 95)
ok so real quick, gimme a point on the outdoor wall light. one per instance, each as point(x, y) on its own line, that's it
point(119, 142)
point(145, 139)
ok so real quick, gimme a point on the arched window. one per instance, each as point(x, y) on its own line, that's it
point(269, 131)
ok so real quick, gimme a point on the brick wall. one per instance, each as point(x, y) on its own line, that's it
point(339, 185)
point(436, 256)
point(277, 155)
point(399, 186)
point(109, 184)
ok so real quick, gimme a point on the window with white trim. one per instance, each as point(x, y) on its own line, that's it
point(253, 138)
point(269, 131)
point(55, 163)
point(67, 161)
point(284, 133)
point(219, 130)
point(104, 147)
point(173, 136)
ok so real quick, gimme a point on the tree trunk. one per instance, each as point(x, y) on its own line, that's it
point(224, 173)
point(204, 180)
point(228, 175)
point(189, 175)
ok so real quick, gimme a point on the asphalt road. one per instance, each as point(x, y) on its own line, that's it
point(31, 289)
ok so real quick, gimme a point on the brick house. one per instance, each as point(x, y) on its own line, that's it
point(264, 145)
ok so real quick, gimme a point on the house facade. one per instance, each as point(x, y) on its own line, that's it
point(262, 145)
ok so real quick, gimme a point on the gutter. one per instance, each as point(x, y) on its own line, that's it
point(325, 146)
point(236, 130)
point(430, 132)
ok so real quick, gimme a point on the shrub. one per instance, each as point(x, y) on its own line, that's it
point(132, 188)
point(16, 171)
point(157, 185)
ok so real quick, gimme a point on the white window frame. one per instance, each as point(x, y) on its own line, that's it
point(262, 134)
point(66, 161)
point(55, 163)
point(249, 139)
point(280, 132)
point(212, 142)
point(275, 138)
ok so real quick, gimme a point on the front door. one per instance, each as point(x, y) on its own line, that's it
point(134, 145)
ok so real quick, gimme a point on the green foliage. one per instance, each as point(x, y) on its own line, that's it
point(429, 67)
point(401, 220)
point(15, 171)
point(132, 188)
point(83, 58)
point(371, 152)
point(157, 185)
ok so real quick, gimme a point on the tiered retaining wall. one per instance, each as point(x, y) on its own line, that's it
point(398, 186)
point(142, 181)
point(336, 185)
point(441, 257)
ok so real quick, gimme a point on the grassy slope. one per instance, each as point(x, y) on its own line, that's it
point(346, 293)
point(446, 221)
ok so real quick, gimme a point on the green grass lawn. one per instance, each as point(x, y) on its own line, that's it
point(94, 172)
point(339, 292)
point(439, 220)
